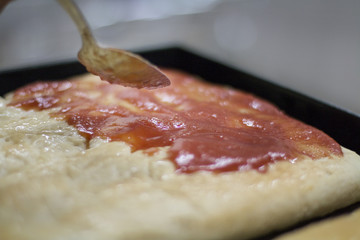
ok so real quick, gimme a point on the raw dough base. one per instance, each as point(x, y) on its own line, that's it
point(53, 187)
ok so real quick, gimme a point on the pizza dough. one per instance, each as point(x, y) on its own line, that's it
point(56, 185)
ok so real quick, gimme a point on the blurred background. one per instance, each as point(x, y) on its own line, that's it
point(311, 46)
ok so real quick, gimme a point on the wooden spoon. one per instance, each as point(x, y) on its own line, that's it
point(113, 65)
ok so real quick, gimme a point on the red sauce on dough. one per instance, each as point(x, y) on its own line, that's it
point(205, 126)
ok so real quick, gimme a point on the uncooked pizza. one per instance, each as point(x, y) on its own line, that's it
point(85, 159)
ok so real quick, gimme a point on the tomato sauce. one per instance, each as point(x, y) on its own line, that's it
point(206, 126)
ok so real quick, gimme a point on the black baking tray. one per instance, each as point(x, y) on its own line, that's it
point(340, 124)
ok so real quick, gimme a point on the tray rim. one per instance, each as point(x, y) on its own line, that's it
point(56, 63)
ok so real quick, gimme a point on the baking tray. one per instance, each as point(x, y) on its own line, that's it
point(340, 124)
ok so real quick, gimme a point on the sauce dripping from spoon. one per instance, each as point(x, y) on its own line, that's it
point(113, 65)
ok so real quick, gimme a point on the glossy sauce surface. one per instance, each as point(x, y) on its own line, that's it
point(206, 127)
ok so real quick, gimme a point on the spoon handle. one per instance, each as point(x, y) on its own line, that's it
point(78, 18)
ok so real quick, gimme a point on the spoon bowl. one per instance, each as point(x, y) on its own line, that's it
point(113, 65)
